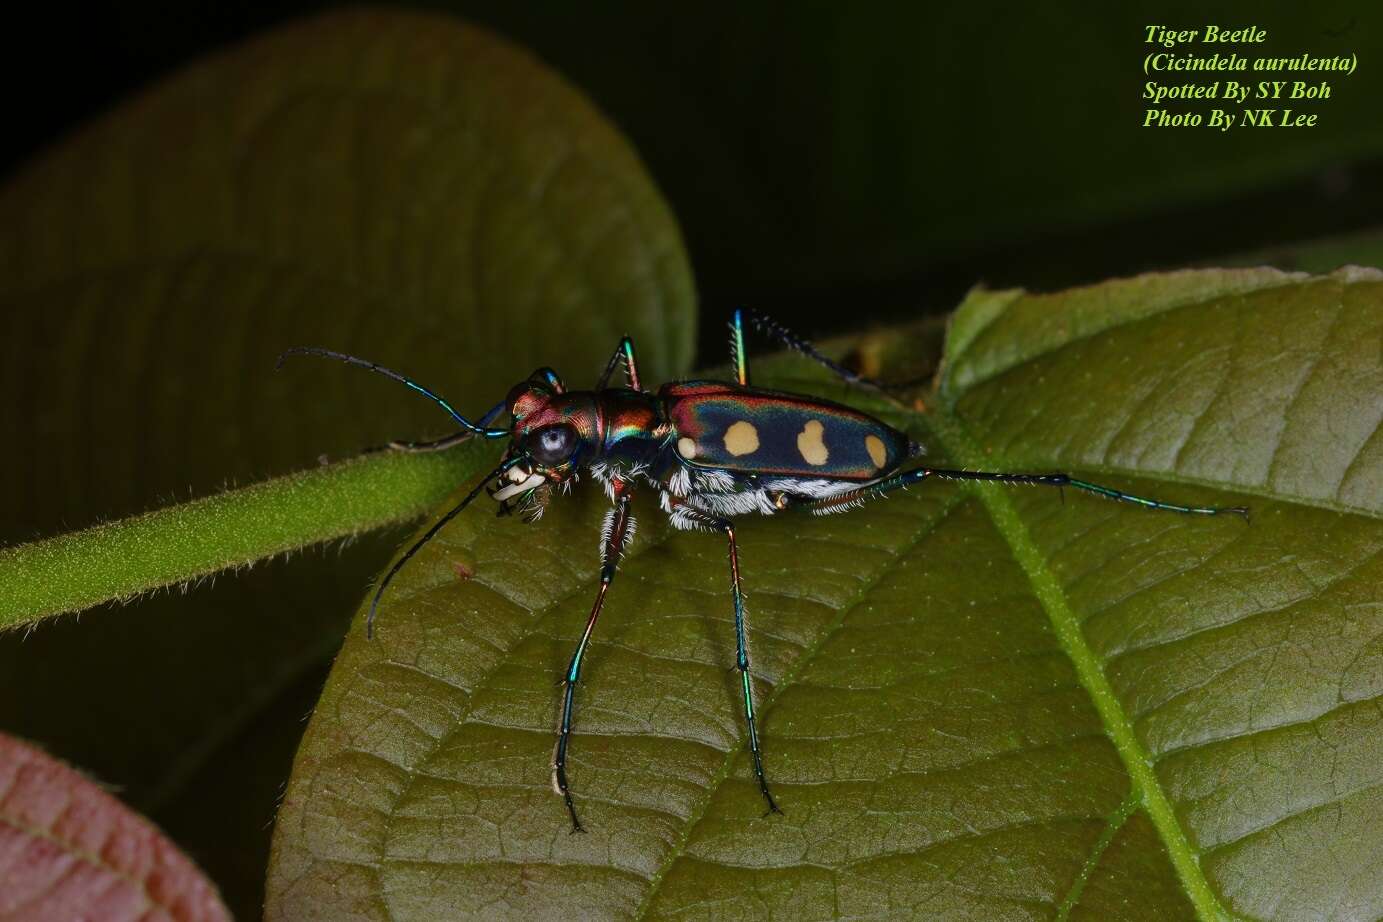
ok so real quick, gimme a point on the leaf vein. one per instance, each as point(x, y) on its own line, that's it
point(928, 525)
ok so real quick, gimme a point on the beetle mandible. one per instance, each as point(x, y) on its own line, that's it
point(712, 450)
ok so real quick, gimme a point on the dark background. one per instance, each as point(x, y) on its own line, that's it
point(836, 166)
point(831, 163)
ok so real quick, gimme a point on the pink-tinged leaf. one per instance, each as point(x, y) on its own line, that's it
point(68, 850)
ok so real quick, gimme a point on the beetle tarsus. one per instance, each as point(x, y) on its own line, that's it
point(575, 823)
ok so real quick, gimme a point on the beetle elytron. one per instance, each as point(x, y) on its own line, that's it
point(712, 450)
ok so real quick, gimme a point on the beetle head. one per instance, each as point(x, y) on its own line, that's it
point(551, 433)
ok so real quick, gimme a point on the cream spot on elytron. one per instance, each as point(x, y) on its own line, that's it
point(810, 445)
point(686, 448)
point(875, 446)
point(741, 439)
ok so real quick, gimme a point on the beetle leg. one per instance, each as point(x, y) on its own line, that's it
point(767, 325)
point(446, 441)
point(739, 356)
point(907, 478)
point(428, 536)
point(617, 532)
point(624, 351)
point(442, 444)
point(741, 647)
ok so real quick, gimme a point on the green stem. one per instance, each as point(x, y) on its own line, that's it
point(117, 561)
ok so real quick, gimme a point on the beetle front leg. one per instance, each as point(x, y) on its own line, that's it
point(446, 441)
point(617, 531)
point(442, 444)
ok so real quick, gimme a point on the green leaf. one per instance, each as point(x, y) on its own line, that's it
point(977, 701)
point(398, 185)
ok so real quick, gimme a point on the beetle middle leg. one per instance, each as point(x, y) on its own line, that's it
point(696, 517)
point(625, 351)
point(617, 532)
point(770, 327)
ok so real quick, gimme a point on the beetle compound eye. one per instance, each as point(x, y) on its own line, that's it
point(553, 444)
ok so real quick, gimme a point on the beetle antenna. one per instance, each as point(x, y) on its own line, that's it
point(481, 430)
point(428, 536)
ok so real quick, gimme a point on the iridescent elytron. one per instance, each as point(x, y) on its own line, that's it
point(712, 450)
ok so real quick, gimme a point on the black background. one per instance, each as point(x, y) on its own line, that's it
point(813, 154)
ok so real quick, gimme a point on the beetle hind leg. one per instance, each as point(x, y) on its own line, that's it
point(696, 518)
point(742, 664)
point(867, 492)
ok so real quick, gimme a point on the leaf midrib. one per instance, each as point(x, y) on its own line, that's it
point(951, 434)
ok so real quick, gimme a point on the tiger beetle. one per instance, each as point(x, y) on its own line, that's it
point(712, 450)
